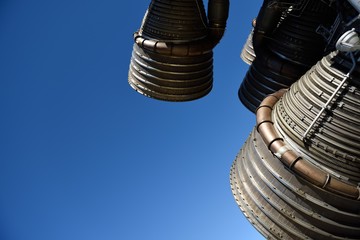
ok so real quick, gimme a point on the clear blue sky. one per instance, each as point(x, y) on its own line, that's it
point(83, 156)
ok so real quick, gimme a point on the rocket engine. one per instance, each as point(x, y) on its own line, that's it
point(298, 174)
point(172, 58)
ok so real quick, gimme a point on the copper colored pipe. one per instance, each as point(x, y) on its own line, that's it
point(218, 12)
point(175, 49)
point(291, 159)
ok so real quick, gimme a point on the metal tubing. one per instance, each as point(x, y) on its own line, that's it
point(303, 168)
point(286, 45)
point(194, 48)
point(218, 13)
point(346, 77)
point(172, 53)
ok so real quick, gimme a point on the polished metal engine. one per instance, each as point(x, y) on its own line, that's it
point(292, 185)
point(172, 58)
point(298, 174)
point(286, 44)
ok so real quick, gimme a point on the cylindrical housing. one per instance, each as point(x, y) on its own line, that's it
point(294, 189)
point(286, 45)
point(172, 57)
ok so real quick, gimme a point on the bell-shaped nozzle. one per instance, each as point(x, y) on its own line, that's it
point(297, 176)
point(172, 56)
point(286, 44)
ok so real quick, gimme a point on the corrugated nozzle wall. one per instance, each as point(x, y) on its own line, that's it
point(175, 20)
point(170, 78)
point(298, 174)
point(247, 53)
point(172, 56)
point(291, 187)
point(286, 45)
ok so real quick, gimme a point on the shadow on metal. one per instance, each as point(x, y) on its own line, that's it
point(172, 57)
point(295, 188)
point(286, 45)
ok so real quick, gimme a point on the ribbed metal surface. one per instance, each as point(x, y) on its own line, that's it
point(281, 205)
point(247, 53)
point(175, 20)
point(334, 141)
point(277, 201)
point(172, 54)
point(296, 39)
point(170, 78)
point(259, 82)
point(287, 52)
point(172, 58)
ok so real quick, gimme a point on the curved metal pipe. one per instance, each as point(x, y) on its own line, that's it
point(172, 57)
point(266, 21)
point(291, 159)
point(218, 12)
point(185, 49)
point(334, 142)
point(286, 45)
point(274, 23)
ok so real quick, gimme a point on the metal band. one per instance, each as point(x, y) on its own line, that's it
point(265, 121)
point(282, 150)
point(274, 140)
point(294, 162)
point(261, 106)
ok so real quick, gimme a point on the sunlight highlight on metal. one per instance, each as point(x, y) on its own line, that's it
point(247, 53)
point(290, 189)
point(172, 57)
point(298, 174)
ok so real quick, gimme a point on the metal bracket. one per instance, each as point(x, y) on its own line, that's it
point(346, 47)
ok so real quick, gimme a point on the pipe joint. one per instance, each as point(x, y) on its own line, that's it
point(281, 151)
point(182, 49)
point(288, 157)
point(264, 121)
point(292, 164)
point(274, 140)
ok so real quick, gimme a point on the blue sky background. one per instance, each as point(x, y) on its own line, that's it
point(83, 156)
